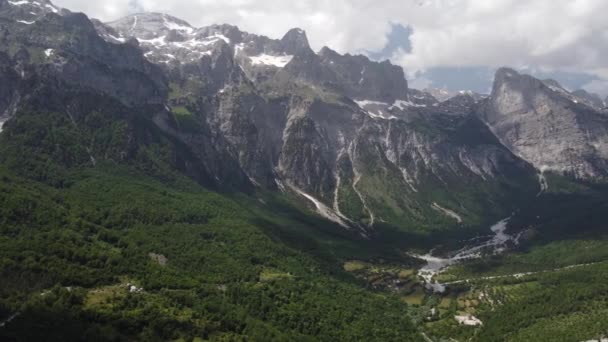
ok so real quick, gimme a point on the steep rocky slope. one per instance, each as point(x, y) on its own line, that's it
point(344, 133)
point(84, 99)
point(160, 181)
point(444, 94)
point(238, 111)
point(67, 46)
point(546, 125)
point(591, 99)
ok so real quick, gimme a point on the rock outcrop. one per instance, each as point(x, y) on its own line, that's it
point(546, 125)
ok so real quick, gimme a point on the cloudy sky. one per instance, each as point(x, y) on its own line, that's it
point(565, 39)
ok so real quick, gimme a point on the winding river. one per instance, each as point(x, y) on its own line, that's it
point(435, 265)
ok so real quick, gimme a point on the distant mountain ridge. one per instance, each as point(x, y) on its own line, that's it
point(341, 133)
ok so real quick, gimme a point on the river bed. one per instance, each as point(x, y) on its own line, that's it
point(435, 265)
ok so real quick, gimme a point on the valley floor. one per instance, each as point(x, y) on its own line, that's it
point(535, 284)
point(126, 257)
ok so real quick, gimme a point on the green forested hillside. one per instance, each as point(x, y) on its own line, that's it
point(102, 237)
point(551, 287)
point(201, 264)
point(112, 230)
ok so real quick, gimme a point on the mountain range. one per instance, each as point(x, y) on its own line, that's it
point(240, 113)
point(342, 132)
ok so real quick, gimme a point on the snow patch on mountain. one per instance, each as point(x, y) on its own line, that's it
point(155, 41)
point(556, 88)
point(52, 8)
point(36, 8)
point(323, 210)
point(408, 179)
point(376, 109)
point(185, 51)
point(358, 176)
point(402, 104)
point(134, 23)
point(118, 39)
point(276, 61)
point(163, 37)
point(19, 3)
point(217, 37)
point(447, 212)
point(383, 110)
point(364, 103)
point(443, 95)
point(171, 25)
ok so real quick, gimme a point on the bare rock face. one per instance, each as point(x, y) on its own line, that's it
point(237, 110)
point(147, 26)
point(444, 94)
point(295, 42)
point(362, 79)
point(342, 132)
point(175, 44)
point(593, 100)
point(67, 45)
point(371, 169)
point(27, 12)
point(548, 126)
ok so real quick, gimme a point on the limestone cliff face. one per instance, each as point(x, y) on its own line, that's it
point(547, 126)
point(370, 169)
point(342, 133)
point(361, 79)
point(68, 46)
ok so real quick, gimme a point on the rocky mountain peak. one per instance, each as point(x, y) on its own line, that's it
point(165, 39)
point(363, 79)
point(505, 72)
point(442, 94)
point(150, 25)
point(35, 5)
point(548, 126)
point(27, 12)
point(509, 81)
point(234, 35)
point(552, 83)
point(511, 78)
point(326, 52)
point(295, 42)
